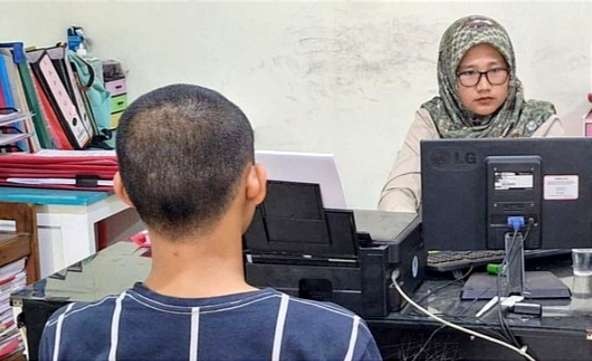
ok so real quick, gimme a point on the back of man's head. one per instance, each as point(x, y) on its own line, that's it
point(182, 150)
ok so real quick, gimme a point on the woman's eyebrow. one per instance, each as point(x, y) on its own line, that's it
point(486, 67)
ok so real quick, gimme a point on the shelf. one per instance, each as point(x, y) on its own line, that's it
point(6, 139)
point(6, 119)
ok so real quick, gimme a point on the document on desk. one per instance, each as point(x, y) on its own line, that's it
point(313, 168)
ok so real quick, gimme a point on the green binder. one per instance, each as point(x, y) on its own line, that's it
point(38, 118)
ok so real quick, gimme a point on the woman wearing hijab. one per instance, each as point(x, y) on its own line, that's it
point(480, 97)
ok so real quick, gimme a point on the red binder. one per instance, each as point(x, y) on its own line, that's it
point(53, 124)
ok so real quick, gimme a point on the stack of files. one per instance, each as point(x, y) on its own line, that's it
point(12, 278)
point(43, 85)
point(59, 169)
point(12, 120)
point(32, 99)
point(59, 93)
point(13, 95)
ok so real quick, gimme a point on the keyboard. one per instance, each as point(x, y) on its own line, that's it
point(443, 261)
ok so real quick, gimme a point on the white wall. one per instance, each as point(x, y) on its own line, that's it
point(344, 78)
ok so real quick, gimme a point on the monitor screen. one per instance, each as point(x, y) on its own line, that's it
point(471, 187)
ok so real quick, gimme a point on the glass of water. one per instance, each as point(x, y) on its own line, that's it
point(582, 270)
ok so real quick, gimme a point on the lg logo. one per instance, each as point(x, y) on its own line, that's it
point(452, 159)
point(468, 158)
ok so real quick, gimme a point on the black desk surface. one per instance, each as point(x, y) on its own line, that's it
point(107, 272)
point(561, 334)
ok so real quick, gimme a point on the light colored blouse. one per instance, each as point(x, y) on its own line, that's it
point(402, 191)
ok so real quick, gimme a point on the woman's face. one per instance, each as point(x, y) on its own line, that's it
point(483, 93)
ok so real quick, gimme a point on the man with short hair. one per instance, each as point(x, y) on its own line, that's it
point(186, 161)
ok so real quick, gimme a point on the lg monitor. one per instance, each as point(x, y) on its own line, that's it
point(513, 194)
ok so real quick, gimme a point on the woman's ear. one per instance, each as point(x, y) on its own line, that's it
point(120, 190)
point(256, 184)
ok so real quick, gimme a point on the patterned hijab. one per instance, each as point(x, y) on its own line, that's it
point(515, 118)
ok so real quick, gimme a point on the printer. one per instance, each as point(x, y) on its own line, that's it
point(347, 257)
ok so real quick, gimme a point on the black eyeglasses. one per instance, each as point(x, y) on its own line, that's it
point(495, 76)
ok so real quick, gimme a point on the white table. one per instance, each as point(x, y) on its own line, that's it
point(67, 233)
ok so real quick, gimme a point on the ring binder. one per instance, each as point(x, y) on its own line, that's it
point(73, 125)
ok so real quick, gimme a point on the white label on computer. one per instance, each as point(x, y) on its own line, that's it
point(561, 187)
point(511, 180)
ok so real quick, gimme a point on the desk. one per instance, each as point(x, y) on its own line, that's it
point(66, 222)
point(563, 333)
point(557, 336)
point(67, 233)
point(106, 272)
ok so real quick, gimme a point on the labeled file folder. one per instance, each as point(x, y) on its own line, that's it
point(59, 57)
point(52, 85)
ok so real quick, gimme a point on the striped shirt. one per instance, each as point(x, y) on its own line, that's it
point(140, 324)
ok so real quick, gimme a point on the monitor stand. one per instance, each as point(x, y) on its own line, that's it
point(514, 280)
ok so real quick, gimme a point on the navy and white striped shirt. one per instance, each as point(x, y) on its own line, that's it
point(266, 324)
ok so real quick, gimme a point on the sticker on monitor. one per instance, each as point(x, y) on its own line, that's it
point(513, 180)
point(561, 187)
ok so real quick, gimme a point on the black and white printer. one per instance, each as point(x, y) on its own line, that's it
point(347, 257)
